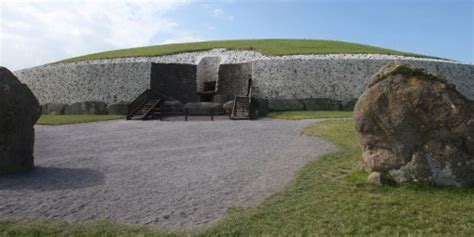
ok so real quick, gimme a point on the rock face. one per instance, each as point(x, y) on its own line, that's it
point(416, 127)
point(19, 111)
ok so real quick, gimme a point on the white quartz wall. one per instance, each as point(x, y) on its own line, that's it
point(69, 83)
point(340, 79)
point(288, 77)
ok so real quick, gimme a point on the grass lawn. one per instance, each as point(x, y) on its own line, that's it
point(270, 47)
point(328, 196)
point(297, 115)
point(72, 119)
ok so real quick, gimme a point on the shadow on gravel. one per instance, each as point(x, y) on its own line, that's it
point(52, 178)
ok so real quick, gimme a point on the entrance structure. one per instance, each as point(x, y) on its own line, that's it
point(207, 82)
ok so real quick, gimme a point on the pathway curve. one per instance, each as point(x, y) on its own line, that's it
point(170, 174)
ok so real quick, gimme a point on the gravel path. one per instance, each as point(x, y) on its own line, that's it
point(170, 174)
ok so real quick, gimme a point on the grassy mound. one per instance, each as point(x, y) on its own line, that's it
point(270, 47)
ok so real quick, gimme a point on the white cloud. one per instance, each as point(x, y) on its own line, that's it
point(221, 14)
point(37, 32)
point(184, 38)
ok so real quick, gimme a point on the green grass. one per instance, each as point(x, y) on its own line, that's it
point(270, 47)
point(72, 119)
point(297, 115)
point(329, 196)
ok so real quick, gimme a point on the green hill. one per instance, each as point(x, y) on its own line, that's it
point(269, 47)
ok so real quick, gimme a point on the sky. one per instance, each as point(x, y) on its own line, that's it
point(34, 32)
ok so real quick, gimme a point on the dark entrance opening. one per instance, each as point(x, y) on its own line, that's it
point(209, 86)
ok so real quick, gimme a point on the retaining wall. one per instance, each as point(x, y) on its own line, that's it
point(69, 83)
point(339, 79)
point(274, 78)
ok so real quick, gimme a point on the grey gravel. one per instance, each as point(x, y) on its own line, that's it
point(171, 174)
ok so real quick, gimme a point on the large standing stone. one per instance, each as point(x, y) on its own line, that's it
point(416, 127)
point(19, 111)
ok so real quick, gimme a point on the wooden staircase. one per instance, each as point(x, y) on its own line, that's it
point(241, 109)
point(146, 106)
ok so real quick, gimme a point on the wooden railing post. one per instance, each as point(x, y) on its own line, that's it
point(185, 114)
point(212, 114)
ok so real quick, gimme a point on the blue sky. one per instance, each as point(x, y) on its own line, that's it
point(37, 32)
point(439, 28)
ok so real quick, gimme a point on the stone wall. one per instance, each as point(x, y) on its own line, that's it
point(175, 80)
point(339, 79)
point(207, 70)
point(69, 83)
point(233, 79)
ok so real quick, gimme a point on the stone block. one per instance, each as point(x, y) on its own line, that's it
point(322, 104)
point(120, 108)
point(285, 104)
point(87, 107)
point(53, 109)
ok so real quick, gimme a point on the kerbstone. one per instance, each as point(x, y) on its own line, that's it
point(120, 108)
point(54, 109)
point(416, 127)
point(285, 105)
point(322, 104)
point(87, 107)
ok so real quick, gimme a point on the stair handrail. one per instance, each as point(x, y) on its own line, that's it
point(152, 108)
point(165, 96)
point(234, 107)
point(137, 103)
point(249, 89)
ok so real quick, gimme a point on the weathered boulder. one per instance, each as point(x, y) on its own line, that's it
point(322, 104)
point(415, 127)
point(285, 105)
point(19, 111)
point(120, 108)
point(173, 106)
point(204, 108)
point(228, 106)
point(87, 107)
point(54, 109)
